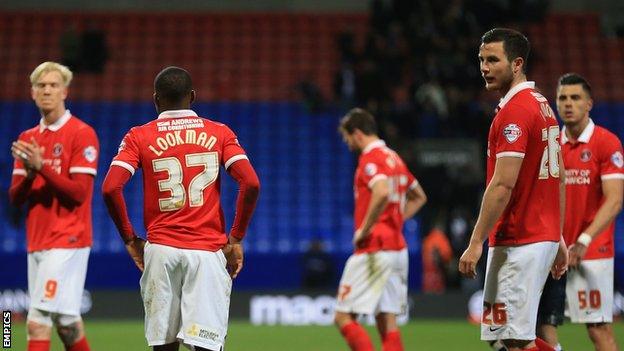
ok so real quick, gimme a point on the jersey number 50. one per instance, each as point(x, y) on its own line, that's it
point(173, 184)
point(549, 166)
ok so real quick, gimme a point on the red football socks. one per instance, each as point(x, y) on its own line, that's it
point(80, 345)
point(38, 345)
point(356, 337)
point(543, 345)
point(392, 341)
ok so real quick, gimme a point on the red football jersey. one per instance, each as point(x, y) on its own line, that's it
point(379, 162)
point(595, 156)
point(69, 146)
point(181, 155)
point(525, 126)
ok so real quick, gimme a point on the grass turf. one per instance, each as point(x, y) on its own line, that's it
point(426, 335)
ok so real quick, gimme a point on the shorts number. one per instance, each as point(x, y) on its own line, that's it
point(344, 291)
point(594, 299)
point(498, 312)
point(550, 158)
point(50, 289)
point(173, 184)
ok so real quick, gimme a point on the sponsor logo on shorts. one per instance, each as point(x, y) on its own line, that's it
point(6, 329)
point(202, 332)
point(492, 329)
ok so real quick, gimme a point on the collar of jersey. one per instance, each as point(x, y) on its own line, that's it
point(585, 135)
point(515, 90)
point(56, 125)
point(374, 144)
point(177, 114)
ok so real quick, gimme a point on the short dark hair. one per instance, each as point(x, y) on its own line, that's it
point(358, 118)
point(173, 84)
point(515, 43)
point(573, 79)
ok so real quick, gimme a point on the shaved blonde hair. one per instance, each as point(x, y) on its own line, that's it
point(50, 66)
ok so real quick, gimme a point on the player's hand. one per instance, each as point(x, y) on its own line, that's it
point(469, 259)
point(233, 252)
point(31, 154)
point(135, 249)
point(358, 237)
point(576, 253)
point(560, 265)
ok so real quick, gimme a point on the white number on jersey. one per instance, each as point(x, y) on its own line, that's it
point(550, 158)
point(173, 184)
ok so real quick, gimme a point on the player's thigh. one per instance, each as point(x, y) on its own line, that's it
point(161, 289)
point(59, 282)
point(205, 299)
point(552, 302)
point(515, 277)
point(394, 297)
point(362, 283)
point(589, 291)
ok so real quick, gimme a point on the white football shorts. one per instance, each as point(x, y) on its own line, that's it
point(589, 291)
point(514, 281)
point(374, 282)
point(56, 279)
point(186, 296)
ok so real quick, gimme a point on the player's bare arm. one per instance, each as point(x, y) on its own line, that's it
point(416, 199)
point(495, 200)
point(560, 265)
point(613, 191)
point(379, 199)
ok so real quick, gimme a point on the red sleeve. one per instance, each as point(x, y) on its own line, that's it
point(74, 188)
point(232, 151)
point(20, 188)
point(112, 190)
point(128, 154)
point(248, 189)
point(511, 131)
point(374, 168)
point(611, 159)
point(85, 152)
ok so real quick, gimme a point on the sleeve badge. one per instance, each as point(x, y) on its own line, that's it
point(370, 169)
point(512, 132)
point(617, 159)
point(90, 153)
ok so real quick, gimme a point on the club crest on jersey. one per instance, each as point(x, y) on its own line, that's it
point(57, 150)
point(512, 132)
point(90, 153)
point(617, 159)
point(370, 169)
point(586, 155)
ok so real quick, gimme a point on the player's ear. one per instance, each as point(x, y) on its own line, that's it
point(517, 65)
point(192, 96)
point(156, 101)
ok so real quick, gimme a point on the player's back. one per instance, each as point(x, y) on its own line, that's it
point(181, 155)
point(526, 127)
point(382, 162)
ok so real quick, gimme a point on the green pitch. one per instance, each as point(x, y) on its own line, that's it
point(426, 335)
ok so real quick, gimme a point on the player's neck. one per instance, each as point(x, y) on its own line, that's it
point(520, 78)
point(574, 131)
point(367, 140)
point(50, 117)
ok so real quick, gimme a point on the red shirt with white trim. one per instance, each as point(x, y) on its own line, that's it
point(375, 163)
point(181, 154)
point(69, 146)
point(596, 156)
point(526, 127)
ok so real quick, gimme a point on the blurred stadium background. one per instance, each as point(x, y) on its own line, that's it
point(281, 73)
